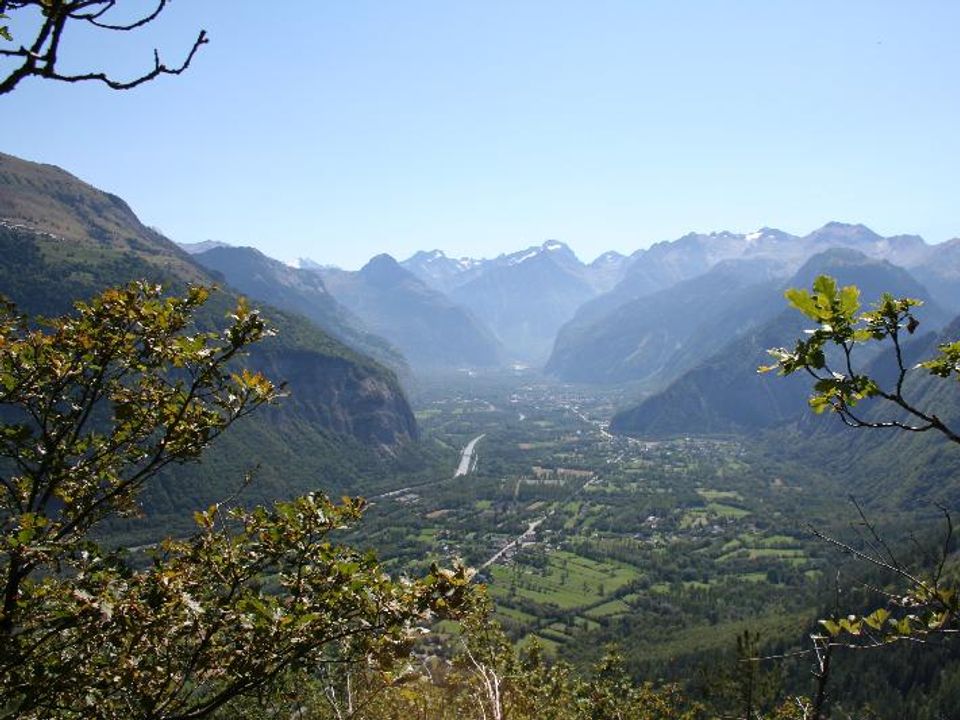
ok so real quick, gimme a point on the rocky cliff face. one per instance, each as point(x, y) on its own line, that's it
point(343, 397)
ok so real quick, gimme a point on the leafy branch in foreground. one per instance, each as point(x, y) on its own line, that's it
point(48, 20)
point(929, 605)
point(93, 406)
point(838, 385)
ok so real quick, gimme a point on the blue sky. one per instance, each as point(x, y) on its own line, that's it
point(336, 130)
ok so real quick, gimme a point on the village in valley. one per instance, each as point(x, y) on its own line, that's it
point(578, 531)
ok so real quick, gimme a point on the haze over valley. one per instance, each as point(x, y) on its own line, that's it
point(498, 361)
point(593, 437)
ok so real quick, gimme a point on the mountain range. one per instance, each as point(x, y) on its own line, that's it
point(723, 393)
point(648, 317)
point(431, 330)
point(296, 290)
point(645, 318)
point(652, 331)
point(63, 240)
point(684, 323)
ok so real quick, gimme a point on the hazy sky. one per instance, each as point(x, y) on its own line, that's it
point(338, 129)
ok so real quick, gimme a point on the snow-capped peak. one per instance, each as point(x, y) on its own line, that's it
point(516, 260)
point(610, 256)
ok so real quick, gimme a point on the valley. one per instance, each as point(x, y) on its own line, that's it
point(479, 361)
point(585, 538)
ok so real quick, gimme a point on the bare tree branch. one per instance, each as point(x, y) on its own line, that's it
point(41, 57)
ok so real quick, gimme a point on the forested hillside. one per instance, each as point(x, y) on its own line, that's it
point(63, 240)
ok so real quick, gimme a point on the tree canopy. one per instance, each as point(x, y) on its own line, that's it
point(93, 406)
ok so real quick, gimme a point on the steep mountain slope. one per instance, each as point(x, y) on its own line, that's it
point(62, 239)
point(301, 291)
point(895, 467)
point(724, 394)
point(429, 329)
point(667, 263)
point(648, 338)
point(939, 270)
point(607, 270)
point(88, 223)
point(525, 298)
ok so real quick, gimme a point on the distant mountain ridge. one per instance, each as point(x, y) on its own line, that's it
point(524, 296)
point(301, 291)
point(446, 273)
point(431, 330)
point(669, 262)
point(62, 240)
point(203, 246)
point(723, 394)
point(610, 335)
point(441, 272)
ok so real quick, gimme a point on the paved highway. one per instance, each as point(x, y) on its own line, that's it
point(466, 457)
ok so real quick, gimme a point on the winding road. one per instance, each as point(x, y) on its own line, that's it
point(530, 533)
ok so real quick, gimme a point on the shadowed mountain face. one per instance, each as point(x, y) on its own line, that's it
point(523, 297)
point(673, 278)
point(527, 297)
point(301, 291)
point(724, 394)
point(426, 326)
point(61, 240)
point(909, 469)
point(657, 337)
point(939, 270)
